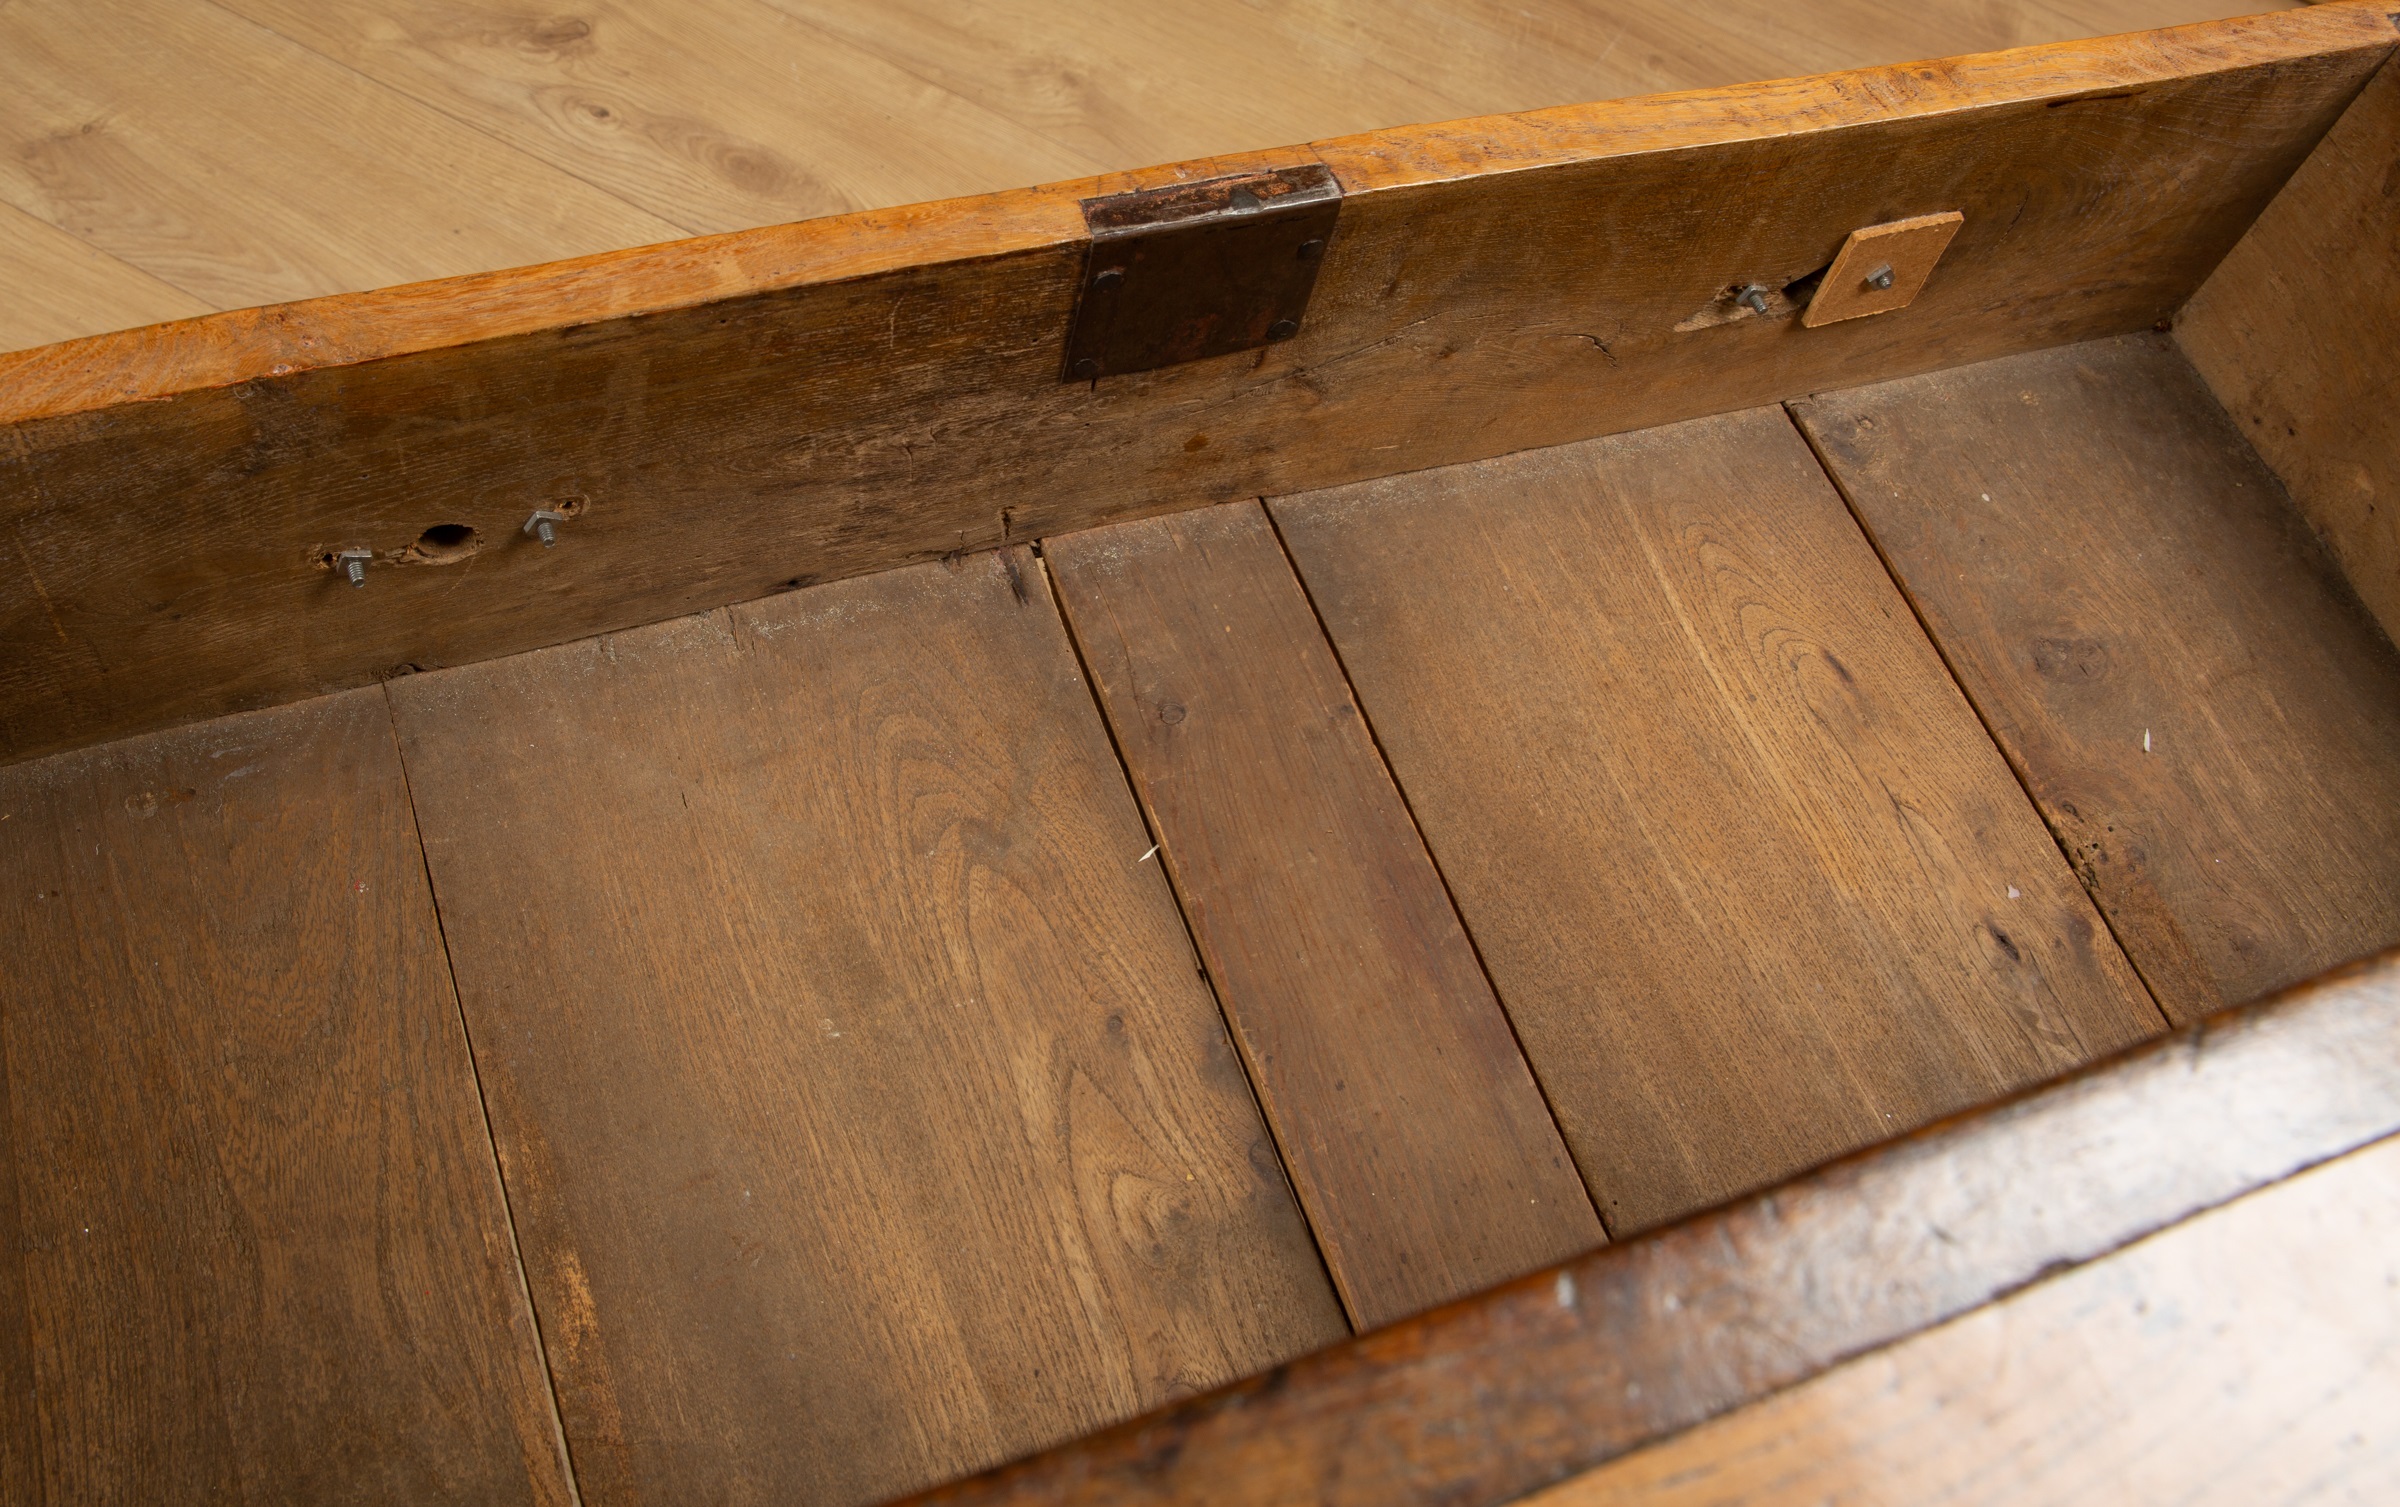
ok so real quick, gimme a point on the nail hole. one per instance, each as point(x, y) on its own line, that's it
point(442, 544)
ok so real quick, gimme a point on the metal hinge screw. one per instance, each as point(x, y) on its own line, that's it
point(543, 525)
point(1754, 296)
point(1881, 277)
point(353, 564)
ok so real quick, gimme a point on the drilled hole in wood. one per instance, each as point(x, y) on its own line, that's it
point(443, 544)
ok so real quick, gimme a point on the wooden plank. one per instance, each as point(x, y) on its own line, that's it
point(1560, 1372)
point(712, 114)
point(2208, 721)
point(65, 287)
point(2251, 1355)
point(1752, 883)
point(865, 1114)
point(832, 398)
point(1418, 1142)
point(259, 1249)
point(1133, 84)
point(2288, 332)
point(243, 168)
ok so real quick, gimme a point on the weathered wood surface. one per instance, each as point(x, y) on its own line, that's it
point(1486, 1400)
point(2250, 1356)
point(1750, 880)
point(1418, 1141)
point(837, 397)
point(864, 1112)
point(2293, 332)
point(2175, 667)
point(722, 114)
point(256, 1249)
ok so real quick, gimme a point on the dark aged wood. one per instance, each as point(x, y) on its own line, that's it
point(865, 1115)
point(256, 1249)
point(1485, 1400)
point(2293, 334)
point(1417, 1139)
point(1750, 880)
point(729, 415)
point(2175, 667)
point(2251, 1354)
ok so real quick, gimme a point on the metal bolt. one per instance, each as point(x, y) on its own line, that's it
point(353, 564)
point(1108, 277)
point(1282, 329)
point(1311, 250)
point(1085, 369)
point(1881, 277)
point(1755, 297)
point(543, 525)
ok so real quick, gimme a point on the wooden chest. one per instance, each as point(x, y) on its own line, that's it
point(1561, 803)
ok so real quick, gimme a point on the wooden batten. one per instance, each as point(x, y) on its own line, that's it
point(723, 418)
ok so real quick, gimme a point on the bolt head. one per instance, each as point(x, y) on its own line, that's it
point(1084, 370)
point(1282, 329)
point(1880, 278)
point(1108, 277)
point(1311, 250)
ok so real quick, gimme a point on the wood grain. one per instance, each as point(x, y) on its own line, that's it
point(727, 113)
point(1418, 1142)
point(2178, 673)
point(865, 1115)
point(834, 398)
point(710, 114)
point(256, 1247)
point(1789, 901)
point(1484, 1401)
point(146, 138)
point(64, 287)
point(2249, 1356)
point(2288, 332)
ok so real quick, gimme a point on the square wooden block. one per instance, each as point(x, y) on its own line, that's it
point(1882, 267)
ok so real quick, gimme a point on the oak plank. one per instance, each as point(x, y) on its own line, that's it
point(1133, 84)
point(62, 287)
point(2250, 1355)
point(712, 114)
point(258, 1239)
point(2286, 333)
point(245, 169)
point(1418, 1141)
point(1749, 878)
point(2207, 718)
point(865, 1113)
point(1560, 1372)
point(826, 399)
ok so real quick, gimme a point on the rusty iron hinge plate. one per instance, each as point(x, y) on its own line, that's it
point(1199, 269)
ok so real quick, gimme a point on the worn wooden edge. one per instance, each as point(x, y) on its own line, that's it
point(279, 341)
point(1548, 1376)
point(283, 340)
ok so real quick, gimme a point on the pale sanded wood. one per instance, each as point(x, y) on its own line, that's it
point(2208, 720)
point(2291, 334)
point(1752, 883)
point(2249, 1356)
point(244, 169)
point(710, 114)
point(865, 1114)
point(257, 1232)
point(1417, 1139)
point(705, 111)
point(835, 397)
point(61, 287)
point(1565, 1370)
